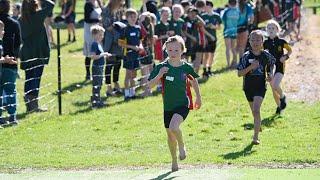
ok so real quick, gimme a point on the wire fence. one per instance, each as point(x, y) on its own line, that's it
point(52, 99)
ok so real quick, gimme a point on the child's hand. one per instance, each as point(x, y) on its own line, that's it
point(269, 77)
point(197, 103)
point(9, 60)
point(254, 65)
point(106, 54)
point(283, 58)
point(163, 71)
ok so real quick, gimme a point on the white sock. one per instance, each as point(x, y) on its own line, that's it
point(127, 92)
point(133, 92)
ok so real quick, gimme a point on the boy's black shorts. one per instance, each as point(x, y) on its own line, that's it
point(250, 94)
point(167, 115)
point(211, 47)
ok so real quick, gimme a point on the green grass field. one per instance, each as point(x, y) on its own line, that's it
point(131, 133)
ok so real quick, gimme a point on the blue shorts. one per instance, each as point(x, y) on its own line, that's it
point(131, 61)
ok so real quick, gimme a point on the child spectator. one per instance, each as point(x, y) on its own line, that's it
point(213, 22)
point(98, 55)
point(68, 12)
point(176, 23)
point(131, 42)
point(16, 11)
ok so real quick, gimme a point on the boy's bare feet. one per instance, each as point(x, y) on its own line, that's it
point(182, 153)
point(174, 166)
point(255, 141)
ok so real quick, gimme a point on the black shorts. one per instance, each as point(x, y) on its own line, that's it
point(199, 49)
point(167, 115)
point(280, 68)
point(250, 94)
point(211, 47)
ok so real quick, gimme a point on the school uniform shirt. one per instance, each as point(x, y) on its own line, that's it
point(161, 29)
point(132, 35)
point(256, 79)
point(176, 26)
point(175, 84)
point(230, 18)
point(96, 48)
point(211, 19)
point(275, 47)
point(190, 26)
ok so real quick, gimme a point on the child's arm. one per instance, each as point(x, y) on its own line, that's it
point(286, 56)
point(7, 60)
point(104, 54)
point(209, 35)
point(195, 86)
point(155, 81)
point(243, 72)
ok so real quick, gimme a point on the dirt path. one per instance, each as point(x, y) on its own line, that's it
point(302, 78)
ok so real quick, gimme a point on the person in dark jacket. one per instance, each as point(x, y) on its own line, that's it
point(35, 50)
point(11, 43)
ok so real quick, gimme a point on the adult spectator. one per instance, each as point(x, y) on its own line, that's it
point(92, 16)
point(35, 51)
point(110, 14)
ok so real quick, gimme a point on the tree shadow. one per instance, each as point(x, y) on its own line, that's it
point(163, 176)
point(235, 155)
point(267, 122)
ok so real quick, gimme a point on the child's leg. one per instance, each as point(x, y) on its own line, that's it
point(145, 72)
point(116, 73)
point(127, 83)
point(132, 82)
point(107, 72)
point(175, 128)
point(172, 143)
point(73, 29)
point(227, 42)
point(257, 101)
point(242, 39)
point(276, 88)
point(69, 32)
point(234, 51)
point(87, 63)
point(197, 61)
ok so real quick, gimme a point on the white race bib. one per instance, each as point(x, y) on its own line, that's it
point(133, 34)
point(189, 25)
point(169, 78)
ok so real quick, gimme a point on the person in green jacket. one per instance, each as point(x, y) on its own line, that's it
point(35, 50)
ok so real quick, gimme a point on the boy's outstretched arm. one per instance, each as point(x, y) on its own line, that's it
point(195, 86)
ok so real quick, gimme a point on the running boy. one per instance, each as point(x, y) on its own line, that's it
point(213, 22)
point(176, 23)
point(253, 67)
point(276, 47)
point(97, 54)
point(132, 47)
point(175, 75)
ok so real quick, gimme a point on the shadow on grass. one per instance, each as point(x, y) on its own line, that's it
point(267, 122)
point(163, 176)
point(75, 50)
point(221, 71)
point(235, 155)
point(75, 86)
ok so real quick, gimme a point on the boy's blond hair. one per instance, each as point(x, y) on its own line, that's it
point(257, 33)
point(95, 29)
point(179, 7)
point(273, 22)
point(175, 38)
point(131, 11)
point(166, 9)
